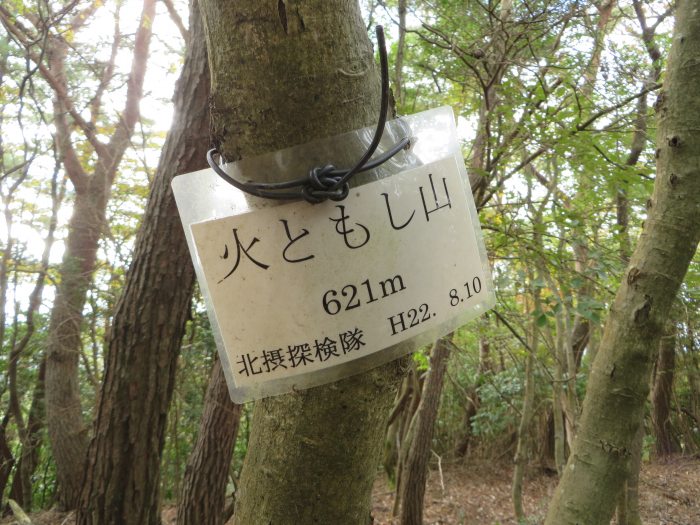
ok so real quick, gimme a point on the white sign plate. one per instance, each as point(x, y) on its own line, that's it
point(299, 295)
point(299, 288)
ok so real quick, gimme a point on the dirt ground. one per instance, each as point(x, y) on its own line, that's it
point(479, 494)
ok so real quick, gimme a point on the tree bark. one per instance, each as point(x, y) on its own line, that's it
point(559, 402)
point(661, 396)
point(122, 469)
point(400, 48)
point(7, 460)
point(473, 401)
point(28, 461)
point(479, 168)
point(628, 506)
point(581, 331)
point(415, 466)
point(203, 495)
point(470, 411)
point(693, 373)
point(31, 434)
point(285, 73)
point(399, 422)
point(618, 385)
point(522, 451)
point(64, 417)
point(414, 381)
point(628, 503)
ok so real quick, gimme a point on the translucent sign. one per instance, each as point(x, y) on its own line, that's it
point(300, 295)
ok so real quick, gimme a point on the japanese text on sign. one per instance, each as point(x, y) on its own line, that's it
point(299, 288)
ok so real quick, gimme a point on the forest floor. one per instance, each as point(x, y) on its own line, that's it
point(480, 494)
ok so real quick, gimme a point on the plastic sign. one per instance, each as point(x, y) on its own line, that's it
point(303, 294)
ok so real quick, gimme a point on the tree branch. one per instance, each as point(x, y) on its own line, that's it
point(96, 101)
point(610, 109)
point(130, 115)
point(175, 17)
point(52, 79)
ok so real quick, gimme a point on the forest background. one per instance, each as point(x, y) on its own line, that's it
point(555, 107)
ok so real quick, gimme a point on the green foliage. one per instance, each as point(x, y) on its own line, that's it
point(550, 223)
point(500, 397)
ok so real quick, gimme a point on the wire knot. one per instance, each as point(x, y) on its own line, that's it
point(324, 183)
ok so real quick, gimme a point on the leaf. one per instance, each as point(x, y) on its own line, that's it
point(541, 320)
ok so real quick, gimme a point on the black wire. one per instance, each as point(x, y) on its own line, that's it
point(327, 182)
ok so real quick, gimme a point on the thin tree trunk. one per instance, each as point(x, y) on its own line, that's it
point(560, 401)
point(581, 331)
point(398, 63)
point(31, 434)
point(523, 446)
point(497, 64)
point(662, 394)
point(639, 139)
point(395, 427)
point(405, 424)
point(7, 460)
point(628, 507)
point(522, 450)
point(618, 385)
point(693, 374)
point(203, 495)
point(21, 490)
point(469, 412)
point(415, 467)
point(473, 401)
point(558, 393)
point(122, 472)
point(590, 76)
point(285, 73)
point(64, 416)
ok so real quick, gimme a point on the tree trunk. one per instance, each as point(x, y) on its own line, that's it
point(470, 411)
point(64, 417)
point(628, 503)
point(405, 406)
point(618, 385)
point(122, 470)
point(473, 401)
point(693, 374)
point(31, 434)
point(628, 507)
point(415, 466)
point(400, 48)
point(203, 495)
point(522, 451)
point(559, 402)
point(581, 331)
point(497, 62)
point(28, 461)
point(7, 460)
point(415, 382)
point(662, 394)
point(286, 73)
point(523, 446)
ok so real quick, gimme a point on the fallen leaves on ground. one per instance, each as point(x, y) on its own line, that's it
point(480, 494)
